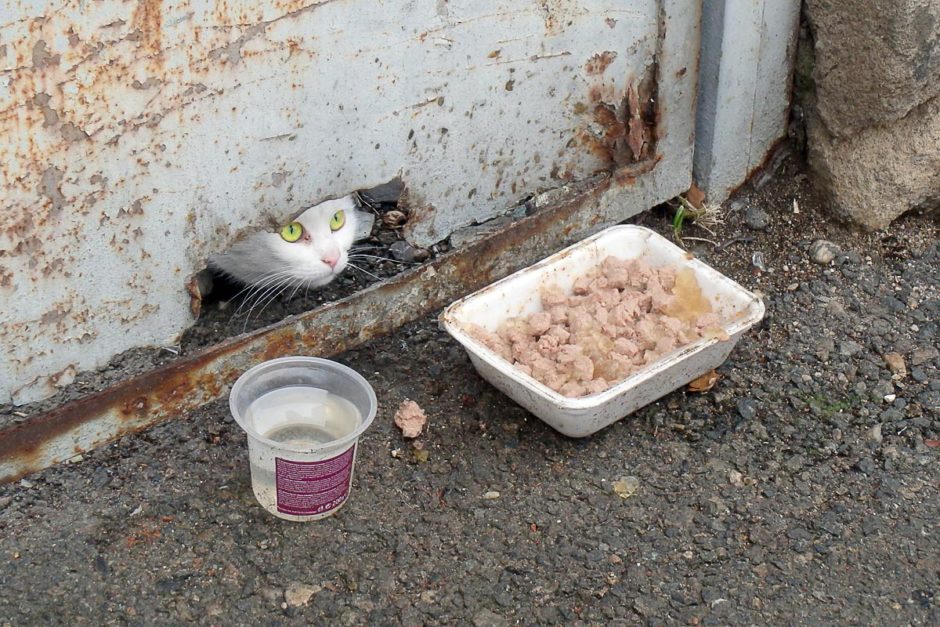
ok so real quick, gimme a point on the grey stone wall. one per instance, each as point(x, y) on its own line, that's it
point(873, 113)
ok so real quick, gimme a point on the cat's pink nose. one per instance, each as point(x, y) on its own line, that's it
point(331, 260)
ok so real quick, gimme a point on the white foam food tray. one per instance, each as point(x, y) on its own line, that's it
point(518, 294)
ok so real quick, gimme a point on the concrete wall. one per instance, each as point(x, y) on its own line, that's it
point(873, 109)
point(138, 136)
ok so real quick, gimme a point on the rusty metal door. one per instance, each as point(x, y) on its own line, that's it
point(137, 137)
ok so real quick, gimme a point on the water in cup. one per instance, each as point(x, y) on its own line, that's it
point(301, 415)
point(298, 417)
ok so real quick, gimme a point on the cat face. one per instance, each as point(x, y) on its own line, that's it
point(316, 244)
point(310, 251)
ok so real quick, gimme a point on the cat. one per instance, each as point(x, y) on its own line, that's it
point(309, 251)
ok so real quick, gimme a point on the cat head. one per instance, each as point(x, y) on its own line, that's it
point(311, 250)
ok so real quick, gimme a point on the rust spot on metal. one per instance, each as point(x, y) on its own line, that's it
point(278, 346)
point(148, 20)
point(136, 407)
point(599, 62)
point(195, 296)
point(623, 131)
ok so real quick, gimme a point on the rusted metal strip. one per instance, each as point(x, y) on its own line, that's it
point(173, 390)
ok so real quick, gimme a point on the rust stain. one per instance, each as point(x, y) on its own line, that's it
point(148, 20)
point(195, 296)
point(599, 62)
point(624, 130)
point(279, 346)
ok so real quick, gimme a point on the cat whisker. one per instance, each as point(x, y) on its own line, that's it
point(262, 291)
point(300, 284)
point(284, 287)
point(259, 286)
point(355, 267)
point(269, 297)
point(361, 256)
point(249, 286)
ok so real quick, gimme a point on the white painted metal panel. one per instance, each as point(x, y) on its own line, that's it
point(747, 59)
point(137, 137)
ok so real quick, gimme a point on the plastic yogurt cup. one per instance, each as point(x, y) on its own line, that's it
point(303, 417)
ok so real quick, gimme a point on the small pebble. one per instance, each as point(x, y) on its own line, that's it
point(394, 218)
point(403, 251)
point(923, 355)
point(889, 398)
point(297, 594)
point(271, 595)
point(848, 348)
point(625, 487)
point(874, 434)
point(866, 465)
point(491, 495)
point(735, 478)
point(747, 407)
point(823, 251)
point(756, 218)
point(757, 260)
point(895, 363)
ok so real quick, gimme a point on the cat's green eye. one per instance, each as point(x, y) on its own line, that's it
point(338, 220)
point(292, 232)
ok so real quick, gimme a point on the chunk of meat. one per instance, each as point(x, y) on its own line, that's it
point(410, 418)
point(626, 347)
point(559, 332)
point(552, 295)
point(596, 385)
point(539, 322)
point(491, 340)
point(548, 345)
point(572, 389)
point(559, 314)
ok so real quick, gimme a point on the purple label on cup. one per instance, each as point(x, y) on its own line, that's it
point(310, 488)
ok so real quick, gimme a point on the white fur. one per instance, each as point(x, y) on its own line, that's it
point(267, 258)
